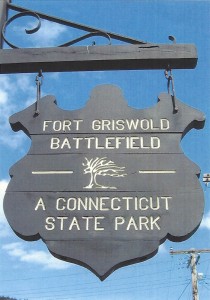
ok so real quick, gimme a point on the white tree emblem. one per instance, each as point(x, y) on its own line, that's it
point(101, 167)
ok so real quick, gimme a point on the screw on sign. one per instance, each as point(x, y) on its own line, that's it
point(105, 185)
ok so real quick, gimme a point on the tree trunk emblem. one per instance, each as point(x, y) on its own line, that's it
point(101, 167)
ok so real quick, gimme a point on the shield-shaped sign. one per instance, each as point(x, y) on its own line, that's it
point(105, 185)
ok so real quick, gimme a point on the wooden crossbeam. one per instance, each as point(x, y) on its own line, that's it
point(97, 58)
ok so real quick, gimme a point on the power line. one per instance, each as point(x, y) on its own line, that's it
point(92, 288)
point(76, 274)
point(192, 262)
point(184, 290)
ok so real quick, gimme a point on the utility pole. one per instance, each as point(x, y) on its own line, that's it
point(206, 179)
point(193, 260)
point(192, 263)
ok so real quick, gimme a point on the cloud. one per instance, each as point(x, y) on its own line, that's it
point(48, 33)
point(4, 227)
point(206, 221)
point(3, 97)
point(3, 186)
point(12, 88)
point(162, 249)
point(37, 257)
point(46, 36)
point(45, 259)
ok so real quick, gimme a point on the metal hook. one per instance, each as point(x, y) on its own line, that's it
point(170, 80)
point(39, 81)
point(172, 38)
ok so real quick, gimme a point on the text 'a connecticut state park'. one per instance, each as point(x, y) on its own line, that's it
point(72, 213)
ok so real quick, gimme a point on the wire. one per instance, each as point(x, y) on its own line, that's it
point(93, 289)
point(170, 273)
point(206, 286)
point(111, 285)
point(184, 290)
point(75, 274)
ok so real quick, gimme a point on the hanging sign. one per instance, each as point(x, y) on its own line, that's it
point(105, 185)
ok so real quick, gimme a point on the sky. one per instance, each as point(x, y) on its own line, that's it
point(27, 269)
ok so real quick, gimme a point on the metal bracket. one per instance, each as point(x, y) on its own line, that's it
point(134, 55)
point(39, 15)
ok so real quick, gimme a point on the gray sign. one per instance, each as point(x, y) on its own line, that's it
point(105, 185)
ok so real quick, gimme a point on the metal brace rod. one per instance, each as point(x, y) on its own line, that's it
point(76, 25)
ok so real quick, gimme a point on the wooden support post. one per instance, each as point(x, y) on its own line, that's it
point(3, 17)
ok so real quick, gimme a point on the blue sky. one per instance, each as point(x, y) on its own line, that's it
point(28, 270)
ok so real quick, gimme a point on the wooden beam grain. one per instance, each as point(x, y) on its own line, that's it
point(98, 58)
